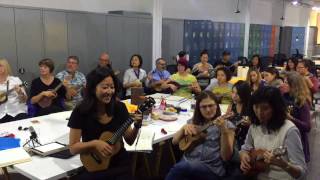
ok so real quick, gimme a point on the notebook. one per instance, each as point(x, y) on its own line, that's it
point(50, 148)
point(143, 142)
point(13, 156)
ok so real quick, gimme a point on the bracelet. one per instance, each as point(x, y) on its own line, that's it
point(137, 125)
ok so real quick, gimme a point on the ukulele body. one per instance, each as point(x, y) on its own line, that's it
point(93, 161)
point(189, 142)
point(257, 162)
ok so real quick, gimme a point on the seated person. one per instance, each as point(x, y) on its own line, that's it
point(225, 62)
point(299, 99)
point(270, 129)
point(291, 64)
point(182, 83)
point(184, 55)
point(104, 61)
point(303, 67)
point(203, 70)
point(74, 81)
point(99, 112)
point(239, 108)
point(271, 77)
point(255, 62)
point(254, 79)
point(135, 76)
point(13, 97)
point(47, 92)
point(205, 160)
point(220, 86)
point(158, 78)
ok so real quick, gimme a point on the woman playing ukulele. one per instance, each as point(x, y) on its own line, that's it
point(205, 161)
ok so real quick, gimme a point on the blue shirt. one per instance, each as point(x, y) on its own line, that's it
point(208, 152)
point(78, 81)
point(159, 75)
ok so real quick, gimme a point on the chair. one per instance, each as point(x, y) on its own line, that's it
point(33, 109)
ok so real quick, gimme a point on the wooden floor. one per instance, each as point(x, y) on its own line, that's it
point(313, 166)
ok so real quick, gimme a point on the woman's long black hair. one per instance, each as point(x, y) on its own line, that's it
point(244, 93)
point(90, 102)
point(273, 97)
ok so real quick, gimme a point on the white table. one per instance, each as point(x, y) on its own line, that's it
point(54, 127)
point(50, 128)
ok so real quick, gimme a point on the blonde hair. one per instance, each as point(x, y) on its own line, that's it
point(6, 66)
point(298, 88)
point(249, 77)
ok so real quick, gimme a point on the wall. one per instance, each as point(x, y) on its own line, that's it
point(215, 10)
point(266, 12)
point(296, 16)
point(101, 6)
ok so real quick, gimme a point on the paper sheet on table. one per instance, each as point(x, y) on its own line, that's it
point(143, 142)
point(13, 156)
point(175, 98)
point(159, 95)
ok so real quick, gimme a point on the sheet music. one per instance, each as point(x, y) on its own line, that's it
point(13, 156)
point(143, 142)
point(49, 147)
point(159, 95)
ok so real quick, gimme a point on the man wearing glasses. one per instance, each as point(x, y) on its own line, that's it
point(73, 80)
point(157, 80)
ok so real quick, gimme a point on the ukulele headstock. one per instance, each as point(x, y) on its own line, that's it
point(146, 105)
point(280, 151)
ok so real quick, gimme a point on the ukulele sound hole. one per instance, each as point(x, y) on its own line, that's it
point(96, 158)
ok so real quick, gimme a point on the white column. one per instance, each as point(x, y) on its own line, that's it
point(156, 30)
point(247, 29)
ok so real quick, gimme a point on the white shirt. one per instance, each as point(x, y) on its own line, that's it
point(12, 107)
point(130, 76)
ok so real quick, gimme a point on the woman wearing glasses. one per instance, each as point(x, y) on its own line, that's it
point(205, 161)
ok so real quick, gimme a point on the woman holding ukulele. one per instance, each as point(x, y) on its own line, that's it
point(205, 161)
point(100, 112)
point(271, 130)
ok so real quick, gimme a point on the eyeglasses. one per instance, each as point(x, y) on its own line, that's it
point(208, 106)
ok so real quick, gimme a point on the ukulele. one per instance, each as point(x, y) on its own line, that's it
point(188, 142)
point(257, 162)
point(4, 95)
point(93, 161)
point(47, 101)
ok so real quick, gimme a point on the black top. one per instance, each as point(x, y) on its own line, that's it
point(90, 125)
point(225, 64)
point(92, 128)
point(37, 86)
point(241, 131)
